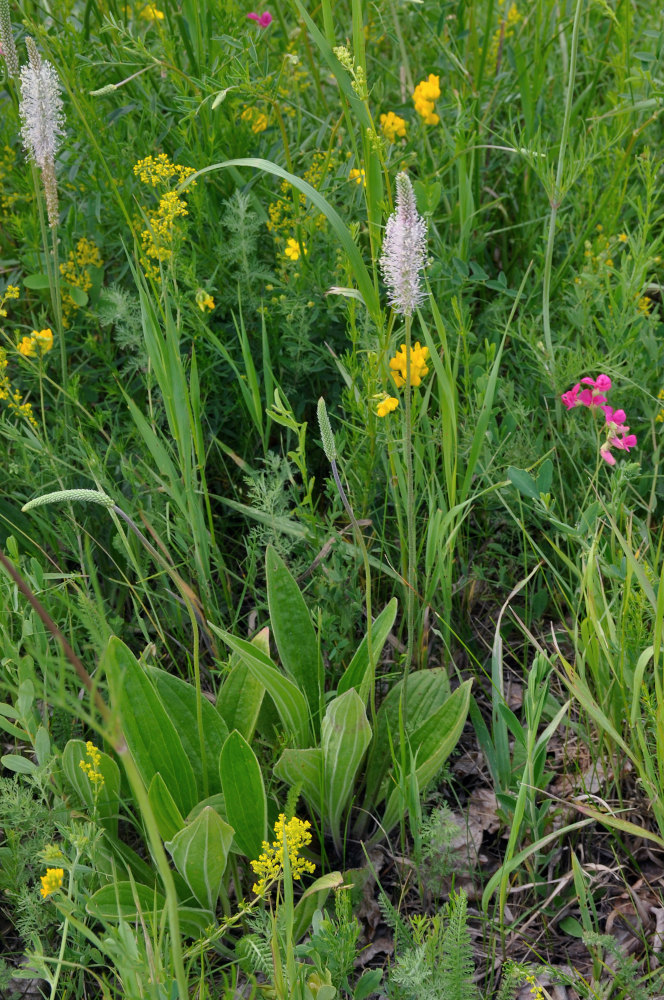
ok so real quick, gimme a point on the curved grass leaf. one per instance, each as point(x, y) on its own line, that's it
point(358, 267)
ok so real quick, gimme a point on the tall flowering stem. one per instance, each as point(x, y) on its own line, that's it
point(42, 128)
point(402, 261)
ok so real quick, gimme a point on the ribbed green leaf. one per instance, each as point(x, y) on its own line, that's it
point(166, 813)
point(357, 674)
point(291, 703)
point(244, 794)
point(345, 736)
point(427, 691)
point(179, 699)
point(128, 900)
point(241, 696)
point(200, 852)
point(305, 768)
point(293, 631)
point(431, 745)
point(151, 736)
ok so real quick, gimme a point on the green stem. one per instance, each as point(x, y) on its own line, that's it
point(65, 931)
point(410, 513)
point(161, 861)
point(557, 197)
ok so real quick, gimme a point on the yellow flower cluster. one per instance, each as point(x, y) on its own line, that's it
point(394, 127)
point(7, 165)
point(270, 864)
point(152, 13)
point(51, 881)
point(257, 119)
point(358, 176)
point(292, 250)
point(424, 95)
point(418, 365)
point(39, 343)
point(644, 305)
point(159, 238)
point(387, 405)
point(660, 416)
point(536, 991)
point(91, 765)
point(283, 213)
point(75, 271)
point(505, 31)
point(155, 170)
point(204, 300)
point(10, 292)
point(11, 397)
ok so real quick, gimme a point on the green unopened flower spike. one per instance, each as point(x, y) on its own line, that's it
point(7, 40)
point(326, 434)
point(62, 496)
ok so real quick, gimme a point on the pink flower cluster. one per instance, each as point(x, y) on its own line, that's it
point(262, 20)
point(615, 428)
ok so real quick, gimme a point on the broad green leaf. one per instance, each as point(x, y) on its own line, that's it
point(200, 852)
point(291, 703)
point(179, 700)
point(244, 794)
point(305, 768)
point(104, 799)
point(241, 696)
point(166, 813)
point(151, 736)
point(524, 482)
point(36, 281)
point(345, 736)
point(18, 764)
point(357, 674)
point(293, 631)
point(427, 691)
point(126, 900)
point(431, 745)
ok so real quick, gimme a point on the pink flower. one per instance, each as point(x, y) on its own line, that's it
point(569, 398)
point(614, 416)
point(603, 382)
point(262, 20)
point(626, 442)
point(607, 456)
point(594, 396)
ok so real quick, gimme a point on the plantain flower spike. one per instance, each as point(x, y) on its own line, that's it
point(7, 40)
point(43, 122)
point(404, 251)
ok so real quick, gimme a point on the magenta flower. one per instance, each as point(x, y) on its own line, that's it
point(616, 429)
point(593, 396)
point(262, 20)
point(569, 397)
